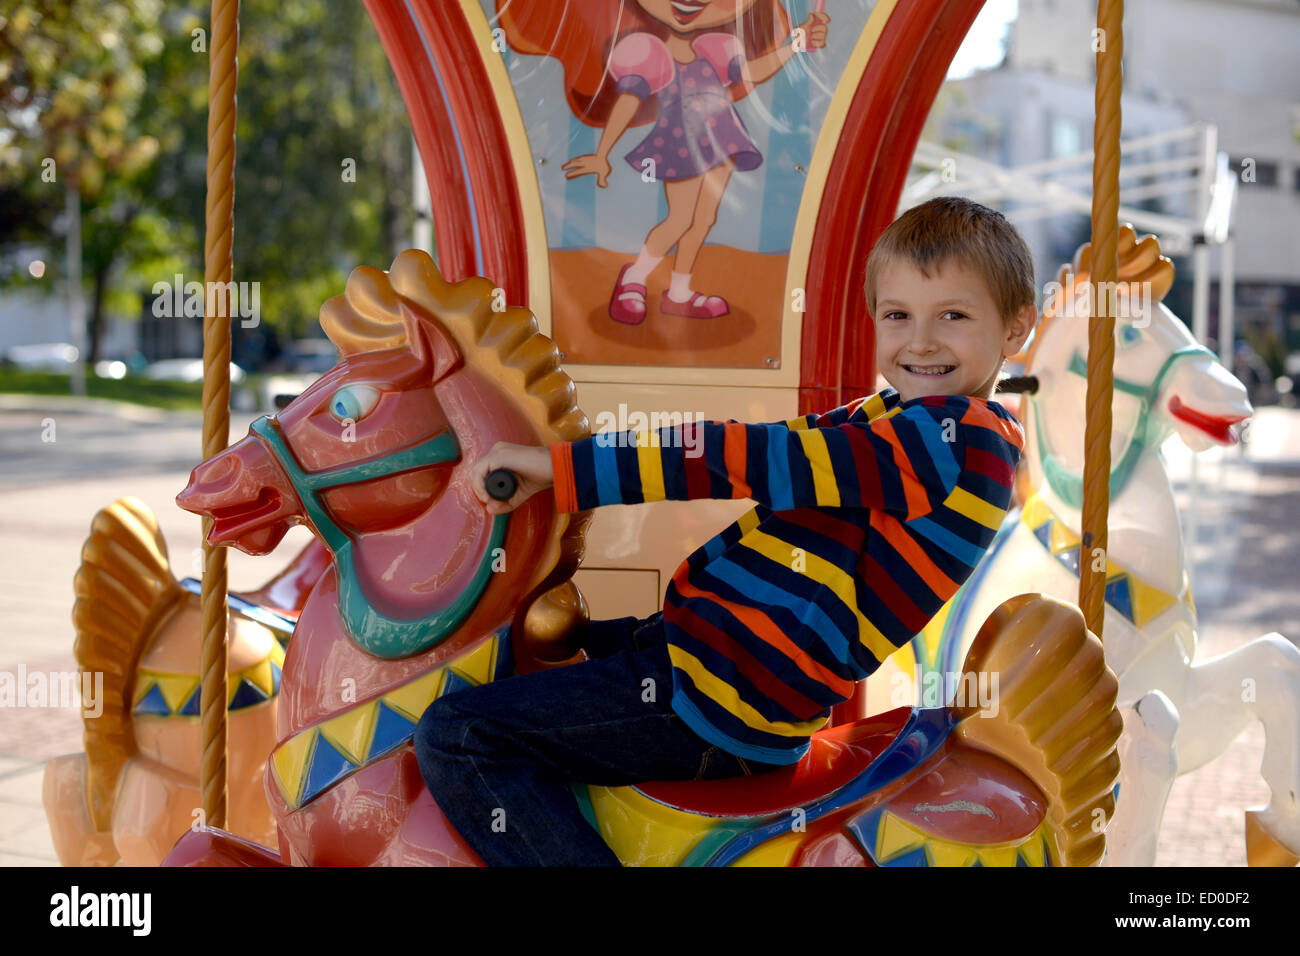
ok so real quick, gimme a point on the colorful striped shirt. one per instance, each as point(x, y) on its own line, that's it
point(868, 519)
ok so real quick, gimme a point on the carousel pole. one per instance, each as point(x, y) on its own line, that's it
point(217, 267)
point(1103, 275)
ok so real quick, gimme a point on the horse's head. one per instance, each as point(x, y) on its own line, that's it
point(374, 455)
point(1165, 382)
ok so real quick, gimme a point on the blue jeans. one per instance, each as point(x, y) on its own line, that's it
point(499, 758)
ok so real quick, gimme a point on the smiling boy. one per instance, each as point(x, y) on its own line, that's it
point(941, 327)
point(869, 517)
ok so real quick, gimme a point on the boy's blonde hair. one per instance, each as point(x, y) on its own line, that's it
point(950, 227)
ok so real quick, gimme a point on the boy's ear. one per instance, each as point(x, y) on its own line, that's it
point(1021, 326)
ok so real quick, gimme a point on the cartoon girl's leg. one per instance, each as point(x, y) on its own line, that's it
point(680, 299)
point(627, 303)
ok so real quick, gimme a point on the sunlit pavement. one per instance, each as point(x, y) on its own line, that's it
point(1247, 549)
point(49, 492)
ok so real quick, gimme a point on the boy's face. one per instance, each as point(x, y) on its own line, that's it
point(942, 335)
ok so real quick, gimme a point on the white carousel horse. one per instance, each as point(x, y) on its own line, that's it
point(1179, 712)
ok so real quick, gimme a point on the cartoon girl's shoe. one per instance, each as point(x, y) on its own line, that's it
point(697, 306)
point(627, 303)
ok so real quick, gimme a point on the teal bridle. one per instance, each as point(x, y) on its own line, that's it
point(1069, 486)
point(371, 630)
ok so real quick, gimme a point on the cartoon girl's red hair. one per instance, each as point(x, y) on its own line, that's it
point(580, 34)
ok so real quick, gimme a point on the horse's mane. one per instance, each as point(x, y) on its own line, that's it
point(506, 344)
point(1139, 261)
point(124, 589)
point(367, 317)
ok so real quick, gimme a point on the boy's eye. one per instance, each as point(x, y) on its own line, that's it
point(959, 315)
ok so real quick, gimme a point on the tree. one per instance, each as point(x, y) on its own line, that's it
point(322, 155)
point(70, 84)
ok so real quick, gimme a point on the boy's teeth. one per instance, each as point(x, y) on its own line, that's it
point(931, 370)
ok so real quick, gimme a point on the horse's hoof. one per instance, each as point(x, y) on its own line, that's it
point(210, 846)
point(1262, 848)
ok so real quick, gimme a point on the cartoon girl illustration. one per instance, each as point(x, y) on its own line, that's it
point(678, 64)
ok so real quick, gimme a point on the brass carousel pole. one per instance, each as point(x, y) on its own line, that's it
point(217, 267)
point(1103, 275)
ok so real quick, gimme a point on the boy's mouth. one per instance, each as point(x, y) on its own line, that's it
point(684, 11)
point(930, 370)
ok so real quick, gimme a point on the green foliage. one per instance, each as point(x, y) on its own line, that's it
point(70, 79)
point(141, 391)
point(116, 92)
point(316, 91)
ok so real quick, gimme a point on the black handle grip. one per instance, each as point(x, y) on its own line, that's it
point(501, 484)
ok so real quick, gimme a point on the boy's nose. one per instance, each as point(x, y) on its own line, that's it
point(923, 339)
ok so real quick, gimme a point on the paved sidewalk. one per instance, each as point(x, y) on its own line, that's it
point(49, 492)
point(39, 553)
point(1248, 543)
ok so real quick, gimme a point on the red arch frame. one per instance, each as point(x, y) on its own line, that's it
point(476, 207)
point(888, 110)
point(477, 212)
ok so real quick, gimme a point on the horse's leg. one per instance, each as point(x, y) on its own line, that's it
point(72, 829)
point(1148, 765)
point(208, 846)
point(1223, 694)
point(154, 807)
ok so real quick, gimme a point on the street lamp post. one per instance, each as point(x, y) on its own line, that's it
point(76, 314)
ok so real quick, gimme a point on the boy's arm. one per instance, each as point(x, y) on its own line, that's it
point(836, 416)
point(566, 492)
point(904, 464)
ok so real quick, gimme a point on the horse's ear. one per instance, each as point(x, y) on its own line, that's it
point(431, 344)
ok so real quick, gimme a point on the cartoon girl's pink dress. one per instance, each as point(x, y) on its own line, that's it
point(698, 128)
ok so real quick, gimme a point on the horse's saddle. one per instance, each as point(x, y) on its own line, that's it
point(889, 790)
point(892, 789)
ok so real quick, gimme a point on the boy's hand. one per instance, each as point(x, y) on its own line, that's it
point(531, 465)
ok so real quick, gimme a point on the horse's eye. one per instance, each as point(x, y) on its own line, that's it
point(353, 402)
point(1128, 335)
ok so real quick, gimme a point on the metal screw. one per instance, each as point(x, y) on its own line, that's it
point(774, 363)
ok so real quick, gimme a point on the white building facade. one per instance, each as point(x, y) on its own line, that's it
point(1231, 63)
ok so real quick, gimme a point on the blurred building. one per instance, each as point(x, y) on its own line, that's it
point(29, 317)
point(1230, 63)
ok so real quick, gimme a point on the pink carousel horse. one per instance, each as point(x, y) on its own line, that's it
point(428, 593)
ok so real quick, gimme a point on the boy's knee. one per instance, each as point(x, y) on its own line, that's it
point(448, 730)
point(439, 733)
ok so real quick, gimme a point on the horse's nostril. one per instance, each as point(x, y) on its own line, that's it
point(219, 470)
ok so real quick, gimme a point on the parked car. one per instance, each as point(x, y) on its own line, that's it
point(186, 370)
point(49, 357)
point(305, 356)
point(304, 361)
